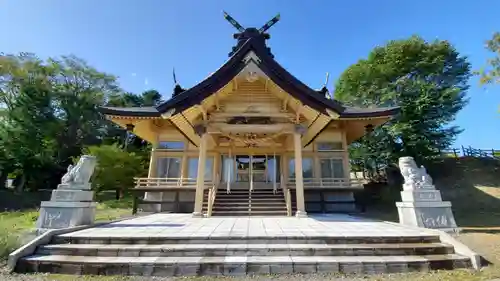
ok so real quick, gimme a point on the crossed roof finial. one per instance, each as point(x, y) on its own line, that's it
point(241, 29)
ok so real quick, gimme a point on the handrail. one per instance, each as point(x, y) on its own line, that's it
point(251, 173)
point(329, 182)
point(287, 194)
point(212, 193)
point(168, 182)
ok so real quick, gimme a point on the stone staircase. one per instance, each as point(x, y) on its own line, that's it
point(241, 202)
point(230, 255)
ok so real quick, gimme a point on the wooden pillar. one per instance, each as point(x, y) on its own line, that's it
point(285, 166)
point(152, 164)
point(317, 167)
point(200, 179)
point(217, 167)
point(345, 156)
point(184, 166)
point(299, 178)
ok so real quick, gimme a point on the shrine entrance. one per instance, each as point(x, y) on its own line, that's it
point(251, 168)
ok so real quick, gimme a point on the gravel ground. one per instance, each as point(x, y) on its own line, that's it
point(457, 275)
point(43, 277)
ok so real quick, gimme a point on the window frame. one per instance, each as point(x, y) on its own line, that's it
point(318, 144)
point(158, 146)
point(331, 166)
point(291, 172)
point(167, 166)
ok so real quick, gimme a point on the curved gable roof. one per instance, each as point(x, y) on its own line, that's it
point(235, 65)
point(232, 67)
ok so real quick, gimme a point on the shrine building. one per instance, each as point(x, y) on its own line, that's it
point(250, 139)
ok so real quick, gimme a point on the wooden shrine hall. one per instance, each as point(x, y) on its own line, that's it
point(250, 139)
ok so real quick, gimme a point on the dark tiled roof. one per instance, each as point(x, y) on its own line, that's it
point(369, 112)
point(236, 63)
point(149, 111)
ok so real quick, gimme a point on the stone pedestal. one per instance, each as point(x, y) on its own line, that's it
point(71, 203)
point(421, 204)
point(67, 208)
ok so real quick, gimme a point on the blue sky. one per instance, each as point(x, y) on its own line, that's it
point(141, 41)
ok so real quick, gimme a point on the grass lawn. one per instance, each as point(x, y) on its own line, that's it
point(16, 226)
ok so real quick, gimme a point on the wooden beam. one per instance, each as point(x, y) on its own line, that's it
point(253, 128)
point(284, 106)
point(183, 126)
point(332, 114)
point(235, 84)
point(298, 112)
point(216, 101)
point(253, 114)
point(203, 111)
point(315, 128)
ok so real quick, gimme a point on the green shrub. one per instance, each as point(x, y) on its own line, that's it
point(116, 168)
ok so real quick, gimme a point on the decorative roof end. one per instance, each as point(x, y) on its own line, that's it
point(258, 35)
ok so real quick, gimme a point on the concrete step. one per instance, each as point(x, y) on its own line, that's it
point(233, 203)
point(154, 240)
point(248, 203)
point(230, 208)
point(249, 212)
point(236, 265)
point(258, 196)
point(247, 191)
point(267, 199)
point(205, 250)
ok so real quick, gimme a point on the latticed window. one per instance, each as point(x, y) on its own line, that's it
point(307, 168)
point(169, 167)
point(331, 168)
point(193, 168)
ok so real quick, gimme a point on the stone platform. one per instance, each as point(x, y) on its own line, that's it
point(178, 244)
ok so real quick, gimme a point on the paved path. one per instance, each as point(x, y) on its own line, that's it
point(184, 225)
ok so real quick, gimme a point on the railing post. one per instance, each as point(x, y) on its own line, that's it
point(229, 170)
point(251, 173)
point(275, 164)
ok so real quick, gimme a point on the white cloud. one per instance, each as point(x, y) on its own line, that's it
point(133, 74)
point(146, 81)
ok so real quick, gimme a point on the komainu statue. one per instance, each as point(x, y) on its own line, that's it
point(81, 172)
point(414, 176)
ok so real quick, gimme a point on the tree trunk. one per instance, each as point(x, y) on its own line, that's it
point(19, 183)
point(3, 179)
point(117, 194)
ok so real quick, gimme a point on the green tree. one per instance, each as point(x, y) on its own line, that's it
point(79, 89)
point(47, 105)
point(428, 80)
point(491, 73)
point(116, 168)
point(28, 122)
point(151, 98)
